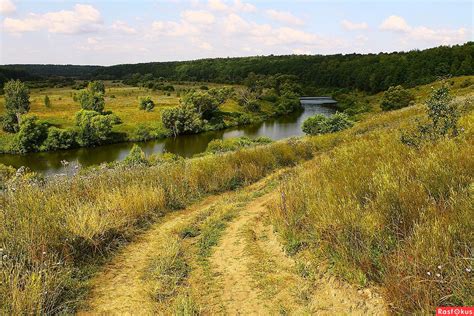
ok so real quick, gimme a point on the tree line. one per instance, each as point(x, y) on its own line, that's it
point(367, 72)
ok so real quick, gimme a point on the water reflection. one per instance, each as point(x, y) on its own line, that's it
point(185, 145)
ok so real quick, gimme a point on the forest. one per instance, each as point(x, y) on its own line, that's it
point(367, 72)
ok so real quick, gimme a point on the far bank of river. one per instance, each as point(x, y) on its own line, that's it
point(185, 145)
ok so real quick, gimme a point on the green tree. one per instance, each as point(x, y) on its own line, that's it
point(9, 122)
point(17, 98)
point(182, 120)
point(93, 128)
point(47, 101)
point(203, 103)
point(31, 134)
point(59, 139)
point(396, 97)
point(147, 104)
point(92, 98)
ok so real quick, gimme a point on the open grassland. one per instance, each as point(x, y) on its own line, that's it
point(370, 208)
point(121, 100)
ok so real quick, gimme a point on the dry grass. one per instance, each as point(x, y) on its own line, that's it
point(379, 211)
point(50, 230)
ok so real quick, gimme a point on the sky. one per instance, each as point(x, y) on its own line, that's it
point(111, 32)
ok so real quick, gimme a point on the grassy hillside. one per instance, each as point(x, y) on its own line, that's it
point(369, 208)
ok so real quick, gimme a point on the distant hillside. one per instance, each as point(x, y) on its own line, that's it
point(368, 72)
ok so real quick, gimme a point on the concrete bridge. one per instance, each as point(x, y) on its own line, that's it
point(317, 101)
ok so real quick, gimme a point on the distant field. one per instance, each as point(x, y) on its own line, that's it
point(123, 101)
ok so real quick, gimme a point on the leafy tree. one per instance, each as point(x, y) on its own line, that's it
point(287, 105)
point(182, 120)
point(93, 128)
point(202, 102)
point(396, 98)
point(30, 135)
point(320, 124)
point(47, 101)
point(17, 98)
point(147, 104)
point(92, 98)
point(59, 139)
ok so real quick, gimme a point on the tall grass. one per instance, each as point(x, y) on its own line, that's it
point(378, 211)
point(51, 230)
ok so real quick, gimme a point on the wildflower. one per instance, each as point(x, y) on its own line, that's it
point(468, 269)
point(438, 275)
point(44, 252)
point(429, 273)
point(439, 267)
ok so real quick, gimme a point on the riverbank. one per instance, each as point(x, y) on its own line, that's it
point(130, 123)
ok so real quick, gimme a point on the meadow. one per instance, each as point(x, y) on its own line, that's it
point(360, 202)
point(123, 101)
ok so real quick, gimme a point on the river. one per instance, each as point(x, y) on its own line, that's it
point(281, 127)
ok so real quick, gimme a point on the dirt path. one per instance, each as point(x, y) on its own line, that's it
point(247, 273)
point(119, 288)
point(257, 277)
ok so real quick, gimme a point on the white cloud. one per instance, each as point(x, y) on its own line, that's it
point(284, 17)
point(237, 6)
point(123, 27)
point(422, 33)
point(301, 51)
point(84, 18)
point(351, 26)
point(7, 7)
point(198, 17)
point(395, 23)
point(170, 28)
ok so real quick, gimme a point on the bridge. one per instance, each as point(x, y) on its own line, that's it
point(317, 101)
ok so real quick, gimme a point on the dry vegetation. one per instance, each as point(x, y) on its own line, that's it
point(373, 209)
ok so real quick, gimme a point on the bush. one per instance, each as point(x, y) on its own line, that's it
point(93, 128)
point(202, 102)
point(59, 139)
point(288, 105)
point(231, 144)
point(182, 120)
point(320, 124)
point(396, 98)
point(147, 104)
point(9, 122)
point(136, 157)
point(466, 83)
point(443, 115)
point(142, 133)
point(31, 135)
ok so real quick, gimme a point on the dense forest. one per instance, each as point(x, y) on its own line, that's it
point(367, 72)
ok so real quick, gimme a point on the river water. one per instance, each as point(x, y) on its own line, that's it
point(185, 145)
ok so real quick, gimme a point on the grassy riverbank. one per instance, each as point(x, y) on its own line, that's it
point(123, 101)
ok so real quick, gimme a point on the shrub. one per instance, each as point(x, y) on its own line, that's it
point(59, 139)
point(147, 104)
point(466, 83)
point(320, 124)
point(287, 105)
point(30, 135)
point(182, 120)
point(93, 128)
point(135, 157)
point(142, 133)
point(443, 115)
point(204, 87)
point(9, 122)
point(47, 101)
point(396, 97)
point(231, 144)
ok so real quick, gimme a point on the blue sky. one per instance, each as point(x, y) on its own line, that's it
point(113, 31)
